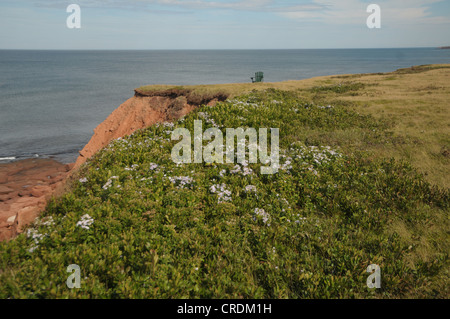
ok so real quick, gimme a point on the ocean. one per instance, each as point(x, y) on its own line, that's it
point(50, 101)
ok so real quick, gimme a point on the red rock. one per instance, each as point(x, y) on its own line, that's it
point(24, 192)
point(7, 197)
point(4, 224)
point(26, 216)
point(57, 179)
point(4, 207)
point(28, 189)
point(7, 232)
point(40, 190)
point(141, 111)
point(4, 198)
point(5, 190)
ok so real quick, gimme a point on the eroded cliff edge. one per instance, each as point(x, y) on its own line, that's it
point(26, 186)
point(144, 109)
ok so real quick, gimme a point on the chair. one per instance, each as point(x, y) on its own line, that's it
point(259, 77)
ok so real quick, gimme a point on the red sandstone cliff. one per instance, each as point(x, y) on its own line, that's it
point(25, 186)
point(143, 110)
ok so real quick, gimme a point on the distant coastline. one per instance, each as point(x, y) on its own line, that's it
point(445, 48)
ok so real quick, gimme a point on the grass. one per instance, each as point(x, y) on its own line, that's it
point(414, 101)
point(195, 95)
point(348, 194)
point(339, 88)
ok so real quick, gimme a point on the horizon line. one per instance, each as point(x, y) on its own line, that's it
point(236, 49)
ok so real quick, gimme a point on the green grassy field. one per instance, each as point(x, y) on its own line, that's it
point(345, 197)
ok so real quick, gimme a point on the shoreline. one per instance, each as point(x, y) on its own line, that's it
point(63, 157)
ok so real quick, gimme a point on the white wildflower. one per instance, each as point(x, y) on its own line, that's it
point(236, 169)
point(35, 235)
point(47, 221)
point(263, 214)
point(182, 181)
point(224, 195)
point(33, 248)
point(109, 182)
point(250, 188)
point(85, 221)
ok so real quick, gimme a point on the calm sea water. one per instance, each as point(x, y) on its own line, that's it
point(50, 101)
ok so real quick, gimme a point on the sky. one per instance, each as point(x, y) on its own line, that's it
point(220, 24)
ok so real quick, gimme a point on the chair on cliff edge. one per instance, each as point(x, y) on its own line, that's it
point(259, 77)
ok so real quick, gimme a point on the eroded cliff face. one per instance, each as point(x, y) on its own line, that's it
point(143, 110)
point(26, 186)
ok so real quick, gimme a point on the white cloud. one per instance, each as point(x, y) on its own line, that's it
point(393, 12)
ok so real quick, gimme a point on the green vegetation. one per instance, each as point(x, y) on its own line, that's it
point(339, 88)
point(194, 94)
point(421, 68)
point(140, 226)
